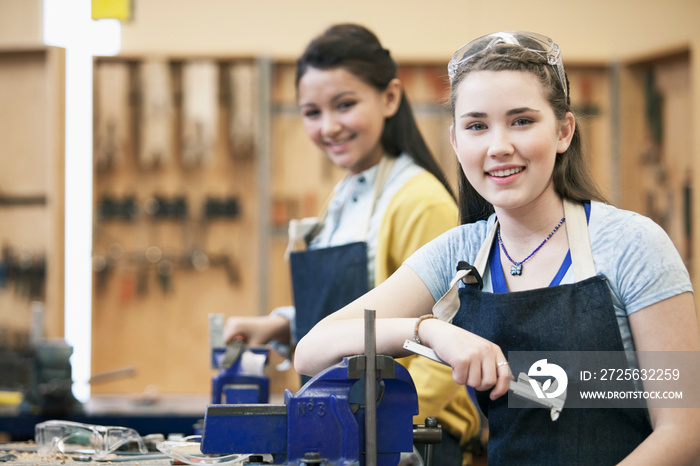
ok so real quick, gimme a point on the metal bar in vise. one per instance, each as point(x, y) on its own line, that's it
point(370, 389)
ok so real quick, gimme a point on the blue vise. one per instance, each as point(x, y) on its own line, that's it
point(235, 383)
point(240, 377)
point(324, 422)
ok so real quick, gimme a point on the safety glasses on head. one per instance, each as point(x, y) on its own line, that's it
point(537, 43)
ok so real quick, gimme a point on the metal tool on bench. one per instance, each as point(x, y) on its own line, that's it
point(241, 377)
point(357, 412)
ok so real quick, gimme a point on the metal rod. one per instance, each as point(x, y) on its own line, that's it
point(431, 423)
point(263, 178)
point(429, 452)
point(370, 389)
point(108, 376)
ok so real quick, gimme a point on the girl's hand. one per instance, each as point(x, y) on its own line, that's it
point(474, 360)
point(257, 330)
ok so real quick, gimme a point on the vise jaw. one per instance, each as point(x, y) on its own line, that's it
point(324, 420)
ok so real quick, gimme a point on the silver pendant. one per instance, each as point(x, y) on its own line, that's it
point(516, 269)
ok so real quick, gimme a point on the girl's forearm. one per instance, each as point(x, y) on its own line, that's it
point(399, 300)
point(332, 340)
point(669, 445)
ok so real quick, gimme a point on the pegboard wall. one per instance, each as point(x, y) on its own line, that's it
point(32, 93)
point(193, 190)
point(176, 213)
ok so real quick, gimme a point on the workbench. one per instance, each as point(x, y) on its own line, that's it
point(24, 454)
point(166, 414)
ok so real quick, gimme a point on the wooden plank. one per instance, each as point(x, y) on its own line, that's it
point(32, 92)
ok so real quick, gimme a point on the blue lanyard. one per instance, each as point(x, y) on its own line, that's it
point(498, 280)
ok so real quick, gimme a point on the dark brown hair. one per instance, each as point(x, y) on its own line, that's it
point(357, 50)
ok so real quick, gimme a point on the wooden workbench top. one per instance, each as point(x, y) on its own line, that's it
point(24, 454)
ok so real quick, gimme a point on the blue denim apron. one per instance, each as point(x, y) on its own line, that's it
point(327, 279)
point(575, 317)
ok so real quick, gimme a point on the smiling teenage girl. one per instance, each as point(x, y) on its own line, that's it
point(580, 275)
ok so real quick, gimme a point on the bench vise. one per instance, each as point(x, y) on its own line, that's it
point(324, 422)
point(240, 377)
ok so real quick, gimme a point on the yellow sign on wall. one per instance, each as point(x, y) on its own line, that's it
point(111, 9)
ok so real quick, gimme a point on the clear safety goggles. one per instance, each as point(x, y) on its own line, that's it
point(537, 43)
point(69, 437)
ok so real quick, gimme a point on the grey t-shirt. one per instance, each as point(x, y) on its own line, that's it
point(641, 264)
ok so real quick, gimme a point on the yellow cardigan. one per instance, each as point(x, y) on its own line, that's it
point(420, 211)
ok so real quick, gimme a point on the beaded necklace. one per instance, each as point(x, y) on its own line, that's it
point(517, 267)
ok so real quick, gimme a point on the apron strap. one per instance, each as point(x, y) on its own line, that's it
point(297, 231)
point(385, 166)
point(447, 306)
point(581, 257)
point(579, 240)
